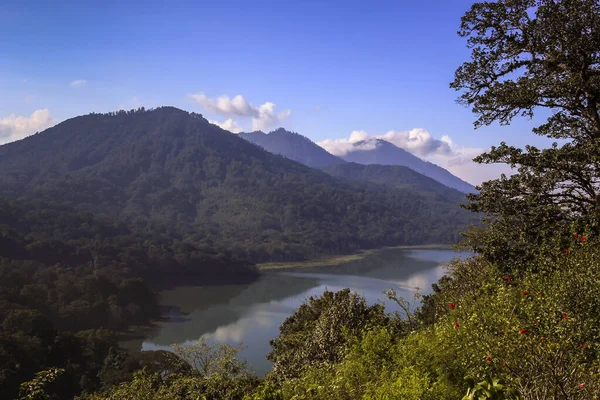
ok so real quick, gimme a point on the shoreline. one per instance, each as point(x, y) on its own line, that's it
point(344, 258)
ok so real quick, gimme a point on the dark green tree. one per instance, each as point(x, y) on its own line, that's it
point(537, 57)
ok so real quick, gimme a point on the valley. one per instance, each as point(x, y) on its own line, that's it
point(252, 313)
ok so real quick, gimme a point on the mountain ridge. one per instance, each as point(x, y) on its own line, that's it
point(170, 173)
point(300, 148)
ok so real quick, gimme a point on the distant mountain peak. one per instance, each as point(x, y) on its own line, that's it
point(379, 151)
point(292, 145)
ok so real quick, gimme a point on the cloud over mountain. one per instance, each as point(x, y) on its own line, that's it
point(263, 116)
point(443, 151)
point(229, 125)
point(417, 141)
point(17, 127)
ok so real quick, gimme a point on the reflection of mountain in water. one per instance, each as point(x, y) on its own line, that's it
point(253, 313)
point(210, 308)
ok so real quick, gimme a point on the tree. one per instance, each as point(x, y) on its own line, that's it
point(530, 56)
point(318, 332)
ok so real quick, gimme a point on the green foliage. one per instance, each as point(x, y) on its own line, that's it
point(210, 359)
point(215, 374)
point(37, 389)
point(146, 386)
point(318, 332)
point(493, 389)
point(222, 374)
point(530, 56)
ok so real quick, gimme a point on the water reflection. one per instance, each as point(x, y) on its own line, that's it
point(253, 313)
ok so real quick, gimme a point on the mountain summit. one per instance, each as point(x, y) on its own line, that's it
point(292, 145)
point(375, 151)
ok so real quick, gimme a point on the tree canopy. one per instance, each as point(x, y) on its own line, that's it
point(535, 57)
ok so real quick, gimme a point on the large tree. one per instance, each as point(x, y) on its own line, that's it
point(535, 57)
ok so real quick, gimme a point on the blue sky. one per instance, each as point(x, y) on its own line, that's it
point(337, 66)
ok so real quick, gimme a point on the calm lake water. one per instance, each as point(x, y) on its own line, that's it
point(252, 313)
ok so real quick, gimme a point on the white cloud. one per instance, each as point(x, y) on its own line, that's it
point(443, 152)
point(418, 141)
point(358, 140)
point(237, 106)
point(263, 116)
point(267, 117)
point(78, 82)
point(17, 127)
point(229, 125)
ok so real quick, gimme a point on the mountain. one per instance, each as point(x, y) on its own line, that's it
point(378, 151)
point(393, 175)
point(173, 176)
point(300, 148)
point(292, 145)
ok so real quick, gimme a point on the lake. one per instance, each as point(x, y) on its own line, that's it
point(252, 313)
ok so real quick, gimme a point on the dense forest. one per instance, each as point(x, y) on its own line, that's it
point(171, 174)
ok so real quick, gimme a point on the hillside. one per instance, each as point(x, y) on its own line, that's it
point(171, 174)
point(396, 176)
point(386, 153)
point(293, 146)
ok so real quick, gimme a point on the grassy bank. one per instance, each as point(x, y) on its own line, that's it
point(342, 259)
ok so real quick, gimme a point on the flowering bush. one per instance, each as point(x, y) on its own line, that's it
point(532, 335)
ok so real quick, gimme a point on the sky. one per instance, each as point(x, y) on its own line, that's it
point(334, 71)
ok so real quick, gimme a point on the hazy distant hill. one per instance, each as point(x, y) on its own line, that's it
point(393, 175)
point(172, 174)
point(300, 148)
point(292, 145)
point(386, 153)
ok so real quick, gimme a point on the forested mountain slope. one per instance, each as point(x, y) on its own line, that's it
point(171, 174)
point(396, 176)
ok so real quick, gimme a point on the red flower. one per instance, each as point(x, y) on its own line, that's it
point(540, 293)
point(507, 278)
point(489, 359)
point(523, 331)
point(581, 385)
point(575, 235)
point(525, 293)
point(566, 251)
point(581, 344)
point(565, 315)
point(501, 333)
point(451, 306)
point(542, 338)
point(456, 324)
point(582, 239)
